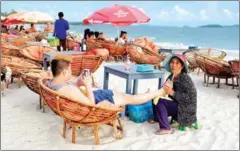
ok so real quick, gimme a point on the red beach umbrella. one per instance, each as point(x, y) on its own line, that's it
point(117, 15)
point(12, 21)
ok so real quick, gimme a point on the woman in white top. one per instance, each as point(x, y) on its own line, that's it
point(123, 37)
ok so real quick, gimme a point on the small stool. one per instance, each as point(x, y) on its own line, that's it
point(183, 128)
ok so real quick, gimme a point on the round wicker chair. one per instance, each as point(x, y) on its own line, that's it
point(19, 42)
point(114, 48)
point(17, 65)
point(5, 37)
point(94, 45)
point(116, 51)
point(190, 55)
point(40, 36)
point(28, 51)
point(213, 67)
point(81, 62)
point(70, 44)
point(142, 55)
point(234, 64)
point(30, 78)
point(78, 114)
point(10, 50)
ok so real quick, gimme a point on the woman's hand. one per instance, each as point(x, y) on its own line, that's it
point(168, 89)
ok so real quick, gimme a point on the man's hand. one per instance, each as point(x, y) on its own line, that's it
point(87, 79)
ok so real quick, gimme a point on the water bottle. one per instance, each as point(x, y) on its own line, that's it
point(84, 47)
point(8, 75)
point(128, 63)
point(76, 47)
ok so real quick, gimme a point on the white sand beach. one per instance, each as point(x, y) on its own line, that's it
point(25, 126)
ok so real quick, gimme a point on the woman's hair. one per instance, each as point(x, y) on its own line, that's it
point(91, 33)
point(32, 24)
point(122, 33)
point(57, 66)
point(86, 31)
point(96, 34)
point(21, 28)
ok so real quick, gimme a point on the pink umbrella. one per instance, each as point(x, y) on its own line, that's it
point(12, 21)
point(117, 15)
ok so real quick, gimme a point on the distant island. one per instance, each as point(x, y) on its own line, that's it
point(75, 23)
point(217, 26)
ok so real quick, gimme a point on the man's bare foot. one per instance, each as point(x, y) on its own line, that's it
point(163, 132)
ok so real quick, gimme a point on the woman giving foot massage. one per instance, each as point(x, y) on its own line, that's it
point(61, 71)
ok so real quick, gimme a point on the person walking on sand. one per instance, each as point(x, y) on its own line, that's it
point(60, 31)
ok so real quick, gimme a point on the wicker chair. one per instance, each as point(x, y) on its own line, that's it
point(94, 45)
point(78, 114)
point(31, 81)
point(17, 65)
point(146, 56)
point(213, 67)
point(19, 42)
point(40, 36)
point(116, 51)
point(10, 50)
point(27, 50)
point(234, 64)
point(190, 55)
point(114, 48)
point(70, 44)
point(81, 62)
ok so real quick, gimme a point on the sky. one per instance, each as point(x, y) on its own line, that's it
point(164, 13)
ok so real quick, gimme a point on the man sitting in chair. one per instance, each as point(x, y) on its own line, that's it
point(62, 74)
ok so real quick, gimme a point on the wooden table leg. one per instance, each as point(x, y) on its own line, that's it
point(40, 102)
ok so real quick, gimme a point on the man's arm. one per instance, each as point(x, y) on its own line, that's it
point(66, 25)
point(76, 94)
